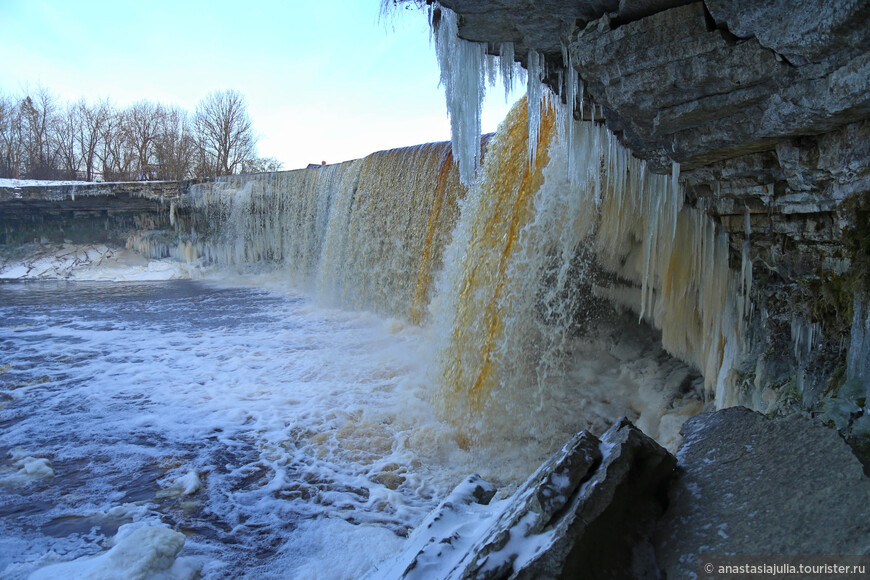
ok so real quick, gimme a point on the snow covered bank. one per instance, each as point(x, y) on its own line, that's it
point(92, 262)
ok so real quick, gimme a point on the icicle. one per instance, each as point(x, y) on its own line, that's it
point(746, 269)
point(570, 87)
point(463, 69)
point(535, 95)
point(803, 335)
point(858, 359)
point(506, 62)
point(675, 191)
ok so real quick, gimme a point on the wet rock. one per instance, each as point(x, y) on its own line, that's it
point(747, 484)
point(607, 526)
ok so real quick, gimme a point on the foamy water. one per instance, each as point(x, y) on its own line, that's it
point(306, 429)
point(282, 439)
point(241, 429)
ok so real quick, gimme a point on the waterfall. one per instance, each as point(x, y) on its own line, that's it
point(527, 238)
point(499, 272)
point(364, 234)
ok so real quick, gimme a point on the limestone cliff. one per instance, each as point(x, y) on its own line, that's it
point(86, 212)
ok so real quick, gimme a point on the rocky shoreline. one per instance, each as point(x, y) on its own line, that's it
point(621, 506)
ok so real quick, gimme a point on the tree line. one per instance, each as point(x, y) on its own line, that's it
point(44, 138)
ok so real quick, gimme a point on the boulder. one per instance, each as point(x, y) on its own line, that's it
point(746, 484)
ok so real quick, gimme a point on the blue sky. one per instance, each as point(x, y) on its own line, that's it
point(325, 81)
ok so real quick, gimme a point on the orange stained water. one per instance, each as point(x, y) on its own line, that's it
point(504, 205)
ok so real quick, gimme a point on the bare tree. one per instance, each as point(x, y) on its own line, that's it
point(262, 165)
point(142, 126)
point(224, 132)
point(174, 148)
point(91, 129)
point(67, 126)
point(37, 117)
point(10, 138)
point(118, 160)
point(42, 138)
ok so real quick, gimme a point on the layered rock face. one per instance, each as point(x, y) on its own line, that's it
point(766, 107)
point(88, 212)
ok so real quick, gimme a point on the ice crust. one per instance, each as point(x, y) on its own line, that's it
point(144, 553)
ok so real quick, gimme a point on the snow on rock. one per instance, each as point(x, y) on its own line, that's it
point(591, 507)
point(16, 183)
point(145, 553)
point(445, 536)
point(89, 262)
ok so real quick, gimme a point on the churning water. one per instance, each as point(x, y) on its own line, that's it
point(283, 439)
point(272, 433)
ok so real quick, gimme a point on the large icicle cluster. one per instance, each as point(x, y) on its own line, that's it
point(518, 265)
point(465, 68)
point(463, 73)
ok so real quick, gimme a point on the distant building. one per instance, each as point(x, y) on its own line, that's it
point(315, 166)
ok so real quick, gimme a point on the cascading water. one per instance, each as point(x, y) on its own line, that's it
point(333, 419)
point(643, 233)
point(515, 268)
point(520, 263)
point(365, 234)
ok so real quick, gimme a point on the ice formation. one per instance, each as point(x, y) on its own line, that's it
point(90, 262)
point(535, 95)
point(511, 278)
point(674, 254)
point(463, 71)
point(25, 469)
point(858, 361)
point(143, 553)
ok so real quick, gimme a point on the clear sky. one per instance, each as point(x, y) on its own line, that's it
point(324, 80)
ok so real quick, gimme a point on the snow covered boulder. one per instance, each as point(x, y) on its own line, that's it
point(590, 508)
point(605, 529)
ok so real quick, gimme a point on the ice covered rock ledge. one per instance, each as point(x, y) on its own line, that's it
point(90, 231)
point(78, 212)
